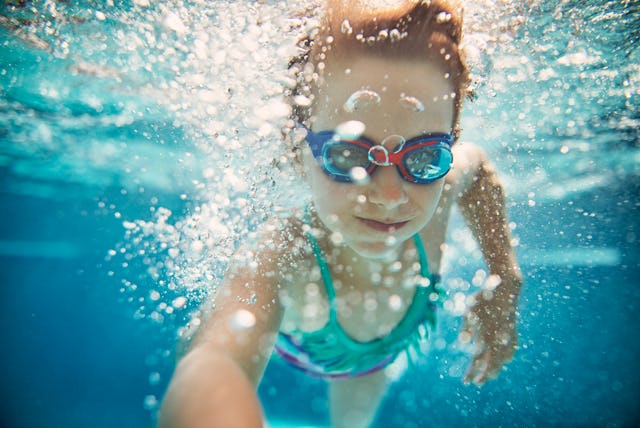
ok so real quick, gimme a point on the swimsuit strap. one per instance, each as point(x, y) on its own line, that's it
point(422, 256)
point(433, 278)
point(324, 268)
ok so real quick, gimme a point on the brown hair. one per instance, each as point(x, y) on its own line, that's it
point(411, 29)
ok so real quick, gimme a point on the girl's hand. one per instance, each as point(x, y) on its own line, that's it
point(491, 324)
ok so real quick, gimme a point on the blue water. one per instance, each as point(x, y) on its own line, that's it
point(98, 143)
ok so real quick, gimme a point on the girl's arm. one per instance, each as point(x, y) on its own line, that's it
point(214, 384)
point(491, 320)
point(208, 389)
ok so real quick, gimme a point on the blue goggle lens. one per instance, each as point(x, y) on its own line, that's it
point(341, 157)
point(422, 159)
point(427, 164)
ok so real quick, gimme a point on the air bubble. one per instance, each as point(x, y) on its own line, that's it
point(376, 278)
point(150, 402)
point(242, 320)
point(464, 337)
point(312, 289)
point(395, 302)
point(197, 247)
point(275, 109)
point(350, 130)
point(443, 17)
point(302, 101)
point(173, 22)
point(310, 310)
point(154, 378)
point(492, 282)
point(179, 302)
point(424, 282)
point(360, 176)
point(360, 99)
point(394, 35)
point(411, 103)
point(346, 27)
point(253, 298)
point(336, 238)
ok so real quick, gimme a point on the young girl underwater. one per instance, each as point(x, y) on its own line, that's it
point(343, 287)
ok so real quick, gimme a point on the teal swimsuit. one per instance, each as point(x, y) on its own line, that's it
point(331, 353)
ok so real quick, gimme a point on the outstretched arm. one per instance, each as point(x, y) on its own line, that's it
point(214, 384)
point(209, 389)
point(491, 321)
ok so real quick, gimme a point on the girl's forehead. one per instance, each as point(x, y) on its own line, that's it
point(384, 93)
point(384, 76)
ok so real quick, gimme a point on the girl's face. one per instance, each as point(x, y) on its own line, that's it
point(405, 98)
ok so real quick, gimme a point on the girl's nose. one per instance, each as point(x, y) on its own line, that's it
point(387, 188)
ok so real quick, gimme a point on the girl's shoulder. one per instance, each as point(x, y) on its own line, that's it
point(468, 160)
point(282, 243)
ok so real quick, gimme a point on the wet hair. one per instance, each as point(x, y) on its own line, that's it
point(429, 30)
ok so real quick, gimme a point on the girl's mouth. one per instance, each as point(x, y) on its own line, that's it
point(383, 226)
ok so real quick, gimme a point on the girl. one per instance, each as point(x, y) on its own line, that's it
point(343, 287)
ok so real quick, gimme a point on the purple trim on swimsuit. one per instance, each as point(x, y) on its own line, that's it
point(314, 370)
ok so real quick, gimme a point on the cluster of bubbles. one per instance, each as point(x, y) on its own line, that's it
point(567, 93)
point(228, 63)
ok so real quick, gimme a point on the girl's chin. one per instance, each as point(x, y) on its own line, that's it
point(384, 250)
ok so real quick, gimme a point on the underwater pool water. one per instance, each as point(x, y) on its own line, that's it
point(124, 187)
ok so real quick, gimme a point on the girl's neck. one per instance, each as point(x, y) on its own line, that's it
point(341, 256)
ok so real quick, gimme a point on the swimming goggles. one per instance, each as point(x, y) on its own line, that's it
point(422, 159)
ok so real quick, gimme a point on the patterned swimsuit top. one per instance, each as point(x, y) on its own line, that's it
point(331, 353)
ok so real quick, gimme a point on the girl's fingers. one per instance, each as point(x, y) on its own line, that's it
point(495, 346)
point(478, 367)
point(485, 366)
